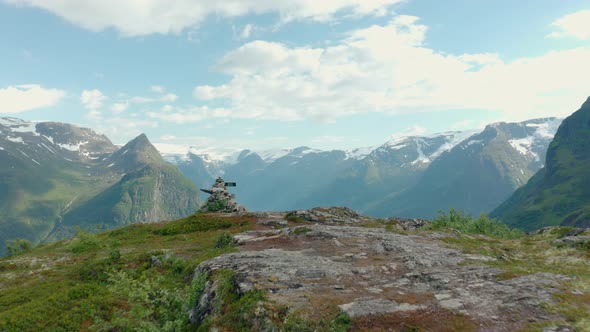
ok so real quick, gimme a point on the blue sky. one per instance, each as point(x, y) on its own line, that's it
point(265, 74)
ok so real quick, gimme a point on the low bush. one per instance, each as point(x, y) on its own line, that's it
point(84, 242)
point(302, 230)
point(18, 246)
point(465, 223)
point(224, 240)
point(195, 223)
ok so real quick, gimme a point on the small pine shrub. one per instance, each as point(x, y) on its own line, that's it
point(18, 246)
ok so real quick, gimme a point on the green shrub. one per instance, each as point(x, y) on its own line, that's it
point(301, 230)
point(224, 240)
point(150, 307)
point(195, 223)
point(84, 242)
point(18, 246)
point(216, 206)
point(465, 223)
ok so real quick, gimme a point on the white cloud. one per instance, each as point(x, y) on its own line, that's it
point(169, 98)
point(411, 131)
point(136, 18)
point(247, 31)
point(387, 68)
point(157, 89)
point(120, 107)
point(575, 25)
point(92, 99)
point(194, 114)
point(22, 98)
point(167, 137)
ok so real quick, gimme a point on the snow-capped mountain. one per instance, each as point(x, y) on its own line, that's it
point(374, 179)
point(479, 173)
point(315, 177)
point(54, 140)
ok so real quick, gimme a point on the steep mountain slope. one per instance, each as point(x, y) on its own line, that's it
point(560, 192)
point(150, 190)
point(49, 170)
point(386, 170)
point(477, 174)
point(44, 168)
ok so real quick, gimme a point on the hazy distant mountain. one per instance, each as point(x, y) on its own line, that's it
point(384, 171)
point(477, 174)
point(55, 176)
point(560, 192)
point(408, 176)
point(297, 178)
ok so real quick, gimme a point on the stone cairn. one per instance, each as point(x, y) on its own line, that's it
point(220, 199)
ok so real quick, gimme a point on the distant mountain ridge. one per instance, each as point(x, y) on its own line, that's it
point(56, 176)
point(560, 192)
point(399, 177)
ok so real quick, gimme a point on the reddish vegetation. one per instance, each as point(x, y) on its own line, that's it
point(420, 320)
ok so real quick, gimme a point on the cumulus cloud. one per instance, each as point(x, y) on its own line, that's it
point(136, 18)
point(22, 98)
point(575, 25)
point(389, 69)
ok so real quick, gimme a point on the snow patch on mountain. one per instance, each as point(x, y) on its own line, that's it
point(359, 153)
point(15, 139)
point(19, 126)
point(453, 139)
point(271, 155)
point(421, 156)
point(72, 147)
point(544, 129)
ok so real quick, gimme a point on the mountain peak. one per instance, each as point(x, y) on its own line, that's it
point(137, 153)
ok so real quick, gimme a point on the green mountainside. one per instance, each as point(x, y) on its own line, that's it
point(54, 177)
point(560, 192)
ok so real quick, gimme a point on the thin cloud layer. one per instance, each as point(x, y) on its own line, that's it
point(137, 18)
